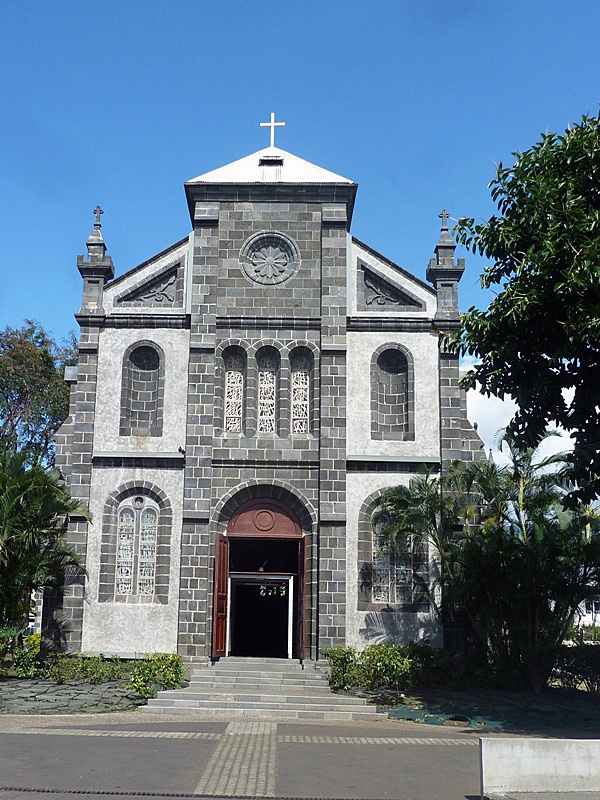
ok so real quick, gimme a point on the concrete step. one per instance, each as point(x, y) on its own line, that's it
point(282, 679)
point(257, 702)
point(242, 698)
point(260, 665)
point(264, 673)
point(261, 688)
point(275, 687)
point(276, 713)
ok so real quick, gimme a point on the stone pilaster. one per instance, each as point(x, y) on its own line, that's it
point(332, 480)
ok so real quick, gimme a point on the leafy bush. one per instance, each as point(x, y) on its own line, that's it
point(343, 667)
point(391, 666)
point(26, 659)
point(384, 665)
point(158, 671)
point(9, 638)
point(93, 669)
point(579, 665)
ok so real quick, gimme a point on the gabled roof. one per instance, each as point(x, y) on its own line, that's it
point(271, 165)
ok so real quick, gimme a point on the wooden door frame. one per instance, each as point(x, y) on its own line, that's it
point(256, 519)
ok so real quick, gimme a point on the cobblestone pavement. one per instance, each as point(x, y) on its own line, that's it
point(36, 696)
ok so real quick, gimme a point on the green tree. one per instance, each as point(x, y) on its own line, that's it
point(34, 508)
point(539, 339)
point(34, 398)
point(512, 558)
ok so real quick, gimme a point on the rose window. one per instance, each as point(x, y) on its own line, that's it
point(270, 262)
point(269, 258)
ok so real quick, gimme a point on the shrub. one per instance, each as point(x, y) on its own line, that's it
point(93, 669)
point(579, 665)
point(157, 671)
point(343, 667)
point(385, 665)
point(392, 666)
point(9, 638)
point(26, 659)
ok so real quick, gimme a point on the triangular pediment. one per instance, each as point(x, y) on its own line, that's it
point(379, 294)
point(383, 288)
point(164, 290)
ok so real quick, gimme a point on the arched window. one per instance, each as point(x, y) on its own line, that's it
point(268, 389)
point(301, 369)
point(142, 391)
point(135, 552)
point(392, 575)
point(235, 381)
point(137, 531)
point(392, 395)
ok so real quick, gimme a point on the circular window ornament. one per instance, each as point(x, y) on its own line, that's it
point(269, 258)
point(264, 520)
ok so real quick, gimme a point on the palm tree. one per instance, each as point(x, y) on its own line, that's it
point(512, 558)
point(34, 509)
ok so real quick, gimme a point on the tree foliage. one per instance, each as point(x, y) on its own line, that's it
point(34, 508)
point(512, 558)
point(539, 339)
point(34, 398)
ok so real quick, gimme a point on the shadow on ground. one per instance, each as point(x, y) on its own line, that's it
point(554, 712)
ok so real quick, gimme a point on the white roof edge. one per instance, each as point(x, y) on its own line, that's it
point(248, 170)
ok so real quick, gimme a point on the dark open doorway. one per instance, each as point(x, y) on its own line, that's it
point(259, 617)
point(263, 618)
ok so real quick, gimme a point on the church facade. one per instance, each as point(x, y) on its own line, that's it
point(241, 401)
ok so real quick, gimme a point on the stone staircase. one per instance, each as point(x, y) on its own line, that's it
point(262, 688)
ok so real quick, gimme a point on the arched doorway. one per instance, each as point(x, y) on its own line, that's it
point(259, 591)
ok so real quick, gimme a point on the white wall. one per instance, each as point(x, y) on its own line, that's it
point(128, 628)
point(424, 349)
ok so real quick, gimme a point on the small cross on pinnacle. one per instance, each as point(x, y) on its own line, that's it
point(272, 125)
point(444, 217)
point(97, 211)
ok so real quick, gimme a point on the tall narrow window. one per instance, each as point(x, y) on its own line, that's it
point(301, 366)
point(268, 370)
point(136, 548)
point(235, 368)
point(142, 391)
point(125, 551)
point(392, 578)
point(392, 395)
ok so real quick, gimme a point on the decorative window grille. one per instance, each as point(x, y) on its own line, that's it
point(267, 394)
point(301, 395)
point(136, 549)
point(125, 551)
point(234, 393)
point(147, 551)
point(392, 575)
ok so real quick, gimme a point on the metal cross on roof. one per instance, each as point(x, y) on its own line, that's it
point(97, 211)
point(272, 125)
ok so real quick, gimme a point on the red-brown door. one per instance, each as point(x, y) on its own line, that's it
point(219, 640)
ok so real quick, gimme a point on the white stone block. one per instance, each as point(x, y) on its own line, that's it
point(523, 764)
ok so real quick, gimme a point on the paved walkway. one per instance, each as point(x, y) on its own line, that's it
point(86, 755)
point(128, 753)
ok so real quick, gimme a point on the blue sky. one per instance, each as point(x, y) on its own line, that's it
point(119, 103)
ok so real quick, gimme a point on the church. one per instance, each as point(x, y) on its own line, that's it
point(241, 401)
